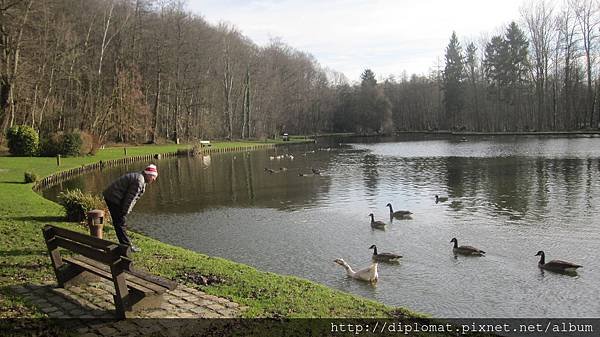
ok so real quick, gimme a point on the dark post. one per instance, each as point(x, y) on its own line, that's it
point(125, 151)
point(58, 160)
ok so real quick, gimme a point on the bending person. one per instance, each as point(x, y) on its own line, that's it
point(121, 196)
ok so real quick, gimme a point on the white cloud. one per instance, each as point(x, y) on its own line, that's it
point(388, 36)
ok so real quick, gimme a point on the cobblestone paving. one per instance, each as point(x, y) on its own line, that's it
point(92, 309)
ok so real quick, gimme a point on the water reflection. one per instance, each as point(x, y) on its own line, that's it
point(511, 196)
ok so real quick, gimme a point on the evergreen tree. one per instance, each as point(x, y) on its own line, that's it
point(453, 80)
point(506, 60)
point(517, 63)
point(367, 79)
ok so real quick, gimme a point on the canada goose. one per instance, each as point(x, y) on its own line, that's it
point(368, 274)
point(440, 199)
point(398, 214)
point(316, 171)
point(466, 250)
point(376, 224)
point(384, 257)
point(556, 265)
point(268, 170)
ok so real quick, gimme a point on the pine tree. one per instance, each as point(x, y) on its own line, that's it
point(506, 61)
point(453, 80)
point(367, 79)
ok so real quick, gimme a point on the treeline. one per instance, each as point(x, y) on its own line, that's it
point(538, 75)
point(148, 70)
point(144, 70)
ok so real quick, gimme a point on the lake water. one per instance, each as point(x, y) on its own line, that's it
point(510, 196)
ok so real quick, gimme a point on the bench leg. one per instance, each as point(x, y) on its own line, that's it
point(54, 253)
point(122, 301)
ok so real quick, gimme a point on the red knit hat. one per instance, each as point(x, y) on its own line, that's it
point(151, 170)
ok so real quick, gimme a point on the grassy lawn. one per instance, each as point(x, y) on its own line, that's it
point(24, 260)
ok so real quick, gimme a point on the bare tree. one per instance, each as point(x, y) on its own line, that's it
point(586, 13)
point(540, 23)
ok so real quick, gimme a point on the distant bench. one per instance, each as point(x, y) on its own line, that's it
point(134, 289)
point(204, 143)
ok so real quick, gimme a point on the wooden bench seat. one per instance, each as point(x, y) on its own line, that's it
point(134, 289)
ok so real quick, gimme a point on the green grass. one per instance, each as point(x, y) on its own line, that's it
point(24, 261)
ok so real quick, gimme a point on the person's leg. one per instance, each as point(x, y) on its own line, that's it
point(119, 223)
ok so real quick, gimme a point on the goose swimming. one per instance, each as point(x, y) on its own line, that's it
point(556, 265)
point(466, 250)
point(384, 257)
point(368, 274)
point(398, 214)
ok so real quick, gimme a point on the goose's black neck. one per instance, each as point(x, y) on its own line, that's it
point(542, 258)
point(372, 218)
point(391, 209)
point(455, 243)
point(374, 250)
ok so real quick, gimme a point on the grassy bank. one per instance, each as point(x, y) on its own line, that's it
point(23, 213)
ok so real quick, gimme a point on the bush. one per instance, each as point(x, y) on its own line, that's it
point(77, 204)
point(31, 177)
point(88, 144)
point(23, 140)
point(65, 144)
point(51, 146)
point(71, 144)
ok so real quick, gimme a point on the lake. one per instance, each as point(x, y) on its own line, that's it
point(508, 195)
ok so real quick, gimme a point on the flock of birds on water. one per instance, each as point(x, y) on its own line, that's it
point(370, 273)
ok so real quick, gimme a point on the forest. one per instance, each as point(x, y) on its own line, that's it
point(148, 71)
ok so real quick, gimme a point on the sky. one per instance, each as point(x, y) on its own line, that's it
point(386, 36)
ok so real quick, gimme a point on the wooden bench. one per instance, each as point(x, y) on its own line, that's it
point(204, 143)
point(134, 289)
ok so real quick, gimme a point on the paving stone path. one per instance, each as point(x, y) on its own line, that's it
point(93, 305)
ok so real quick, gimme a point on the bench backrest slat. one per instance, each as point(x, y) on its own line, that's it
point(107, 257)
point(80, 237)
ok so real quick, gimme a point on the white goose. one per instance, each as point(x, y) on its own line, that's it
point(368, 274)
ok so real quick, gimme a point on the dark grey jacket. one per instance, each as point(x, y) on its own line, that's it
point(126, 191)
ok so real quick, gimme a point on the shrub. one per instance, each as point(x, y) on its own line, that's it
point(51, 146)
point(65, 144)
point(23, 140)
point(88, 144)
point(31, 177)
point(71, 144)
point(77, 204)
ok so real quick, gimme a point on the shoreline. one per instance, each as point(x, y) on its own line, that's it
point(503, 133)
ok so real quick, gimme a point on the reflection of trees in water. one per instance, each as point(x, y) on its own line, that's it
point(370, 173)
point(249, 180)
point(570, 172)
point(589, 182)
point(507, 186)
point(232, 179)
point(514, 187)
